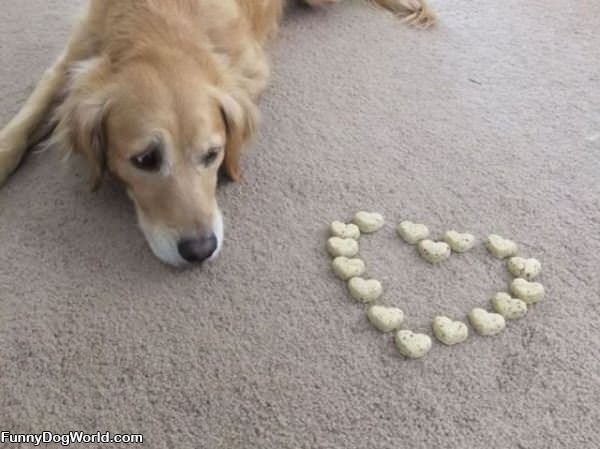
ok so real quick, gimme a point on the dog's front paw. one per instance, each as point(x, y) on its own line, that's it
point(12, 149)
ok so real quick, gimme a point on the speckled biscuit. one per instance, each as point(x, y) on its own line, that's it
point(339, 247)
point(365, 290)
point(510, 308)
point(434, 252)
point(527, 269)
point(412, 233)
point(501, 247)
point(460, 242)
point(384, 318)
point(486, 323)
point(369, 222)
point(346, 268)
point(530, 292)
point(448, 331)
point(345, 231)
point(412, 345)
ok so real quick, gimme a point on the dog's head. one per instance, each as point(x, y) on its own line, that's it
point(164, 128)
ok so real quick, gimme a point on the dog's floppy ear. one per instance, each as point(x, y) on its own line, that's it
point(87, 136)
point(81, 118)
point(241, 117)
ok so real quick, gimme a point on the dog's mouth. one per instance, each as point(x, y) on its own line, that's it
point(180, 250)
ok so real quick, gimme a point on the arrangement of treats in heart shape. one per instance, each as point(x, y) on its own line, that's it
point(343, 246)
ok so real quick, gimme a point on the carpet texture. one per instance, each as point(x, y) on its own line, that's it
point(489, 123)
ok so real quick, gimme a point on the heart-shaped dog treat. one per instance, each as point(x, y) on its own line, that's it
point(369, 222)
point(434, 252)
point(386, 319)
point(345, 231)
point(412, 345)
point(501, 247)
point(448, 331)
point(459, 242)
point(364, 290)
point(524, 268)
point(530, 292)
point(486, 323)
point(346, 268)
point(509, 308)
point(342, 247)
point(412, 233)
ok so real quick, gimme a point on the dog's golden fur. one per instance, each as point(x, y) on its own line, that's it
point(181, 77)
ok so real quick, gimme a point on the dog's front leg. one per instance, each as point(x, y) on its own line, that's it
point(19, 133)
point(15, 137)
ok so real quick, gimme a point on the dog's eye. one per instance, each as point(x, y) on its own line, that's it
point(150, 160)
point(209, 158)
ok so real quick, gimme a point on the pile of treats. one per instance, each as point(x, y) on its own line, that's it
point(343, 246)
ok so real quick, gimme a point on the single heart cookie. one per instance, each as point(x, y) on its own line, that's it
point(434, 252)
point(364, 290)
point(412, 345)
point(460, 242)
point(346, 268)
point(524, 268)
point(386, 319)
point(345, 231)
point(530, 292)
point(369, 222)
point(501, 247)
point(509, 308)
point(486, 323)
point(412, 233)
point(448, 331)
point(342, 247)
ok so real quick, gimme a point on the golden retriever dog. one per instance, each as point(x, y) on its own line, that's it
point(162, 94)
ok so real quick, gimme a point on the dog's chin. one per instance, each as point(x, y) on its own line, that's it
point(164, 241)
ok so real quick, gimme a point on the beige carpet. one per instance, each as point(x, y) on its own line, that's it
point(490, 122)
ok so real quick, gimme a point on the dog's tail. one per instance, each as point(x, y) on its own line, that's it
point(415, 12)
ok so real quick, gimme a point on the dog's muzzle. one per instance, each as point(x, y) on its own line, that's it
point(179, 250)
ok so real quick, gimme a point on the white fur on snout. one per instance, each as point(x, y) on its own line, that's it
point(164, 242)
point(219, 230)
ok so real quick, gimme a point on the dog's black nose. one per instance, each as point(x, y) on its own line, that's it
point(198, 250)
